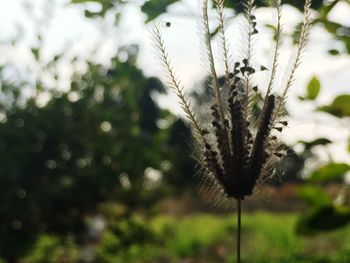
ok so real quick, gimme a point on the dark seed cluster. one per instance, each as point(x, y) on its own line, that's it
point(240, 156)
point(253, 23)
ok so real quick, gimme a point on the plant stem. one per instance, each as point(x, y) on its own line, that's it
point(238, 249)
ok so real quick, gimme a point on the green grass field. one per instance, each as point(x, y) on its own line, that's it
point(267, 237)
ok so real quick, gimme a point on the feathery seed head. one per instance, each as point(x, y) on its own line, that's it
point(237, 150)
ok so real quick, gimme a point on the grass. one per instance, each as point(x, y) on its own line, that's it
point(266, 238)
point(205, 238)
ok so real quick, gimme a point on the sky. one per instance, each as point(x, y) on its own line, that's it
point(68, 30)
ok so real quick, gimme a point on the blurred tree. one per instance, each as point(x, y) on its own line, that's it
point(182, 175)
point(94, 143)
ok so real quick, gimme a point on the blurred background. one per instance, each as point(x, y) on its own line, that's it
point(95, 153)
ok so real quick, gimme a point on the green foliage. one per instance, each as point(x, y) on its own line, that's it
point(313, 195)
point(330, 172)
point(84, 147)
point(323, 215)
point(313, 88)
point(157, 7)
point(337, 30)
point(154, 8)
point(128, 240)
point(109, 251)
point(106, 5)
point(208, 238)
point(323, 218)
point(334, 52)
point(340, 107)
point(36, 53)
point(190, 238)
point(51, 249)
point(268, 238)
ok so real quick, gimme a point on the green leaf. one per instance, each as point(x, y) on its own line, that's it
point(334, 52)
point(324, 10)
point(318, 141)
point(36, 53)
point(330, 172)
point(325, 218)
point(106, 5)
point(340, 107)
point(313, 88)
point(313, 195)
point(90, 14)
point(332, 27)
point(155, 8)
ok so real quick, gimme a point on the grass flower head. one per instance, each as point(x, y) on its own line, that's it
point(236, 149)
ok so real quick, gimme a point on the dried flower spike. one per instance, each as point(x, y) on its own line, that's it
point(240, 152)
